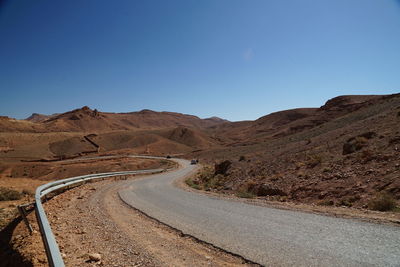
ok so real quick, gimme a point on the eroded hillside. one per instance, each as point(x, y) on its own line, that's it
point(344, 154)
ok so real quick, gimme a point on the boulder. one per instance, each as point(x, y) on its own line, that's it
point(222, 168)
point(94, 257)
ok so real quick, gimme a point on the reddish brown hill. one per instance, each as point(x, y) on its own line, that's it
point(148, 119)
point(347, 102)
point(343, 154)
point(292, 121)
point(88, 120)
point(12, 125)
point(189, 137)
point(81, 120)
point(145, 131)
point(36, 117)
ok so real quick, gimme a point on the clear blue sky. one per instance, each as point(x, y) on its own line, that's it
point(234, 59)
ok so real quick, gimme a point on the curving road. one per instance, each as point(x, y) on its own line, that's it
point(269, 236)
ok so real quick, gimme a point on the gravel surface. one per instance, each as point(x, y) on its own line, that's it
point(265, 235)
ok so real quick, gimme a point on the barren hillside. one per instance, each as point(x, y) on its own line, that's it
point(345, 153)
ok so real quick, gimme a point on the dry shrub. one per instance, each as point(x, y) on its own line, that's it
point(245, 190)
point(192, 184)
point(314, 161)
point(27, 192)
point(382, 202)
point(326, 203)
point(245, 194)
point(9, 194)
point(354, 144)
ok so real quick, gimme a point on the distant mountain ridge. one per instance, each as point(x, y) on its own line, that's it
point(86, 119)
point(279, 123)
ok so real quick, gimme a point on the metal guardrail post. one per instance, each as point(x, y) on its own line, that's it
point(22, 212)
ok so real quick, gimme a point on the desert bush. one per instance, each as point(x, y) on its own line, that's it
point(205, 174)
point(345, 202)
point(245, 194)
point(314, 161)
point(27, 192)
point(190, 183)
point(354, 144)
point(326, 203)
point(209, 179)
point(299, 164)
point(383, 202)
point(327, 169)
point(9, 194)
point(215, 181)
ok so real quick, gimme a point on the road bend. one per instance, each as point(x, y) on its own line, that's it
point(269, 236)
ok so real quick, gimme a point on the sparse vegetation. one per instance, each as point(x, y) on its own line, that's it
point(313, 161)
point(27, 192)
point(7, 194)
point(345, 203)
point(190, 183)
point(383, 201)
point(354, 144)
point(327, 169)
point(326, 203)
point(245, 194)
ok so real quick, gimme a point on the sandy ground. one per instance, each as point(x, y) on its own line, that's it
point(92, 219)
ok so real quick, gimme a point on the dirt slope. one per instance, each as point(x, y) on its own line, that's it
point(12, 125)
point(292, 121)
point(349, 153)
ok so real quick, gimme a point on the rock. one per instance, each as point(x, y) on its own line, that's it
point(222, 168)
point(94, 257)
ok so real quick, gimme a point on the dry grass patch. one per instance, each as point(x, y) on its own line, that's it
point(382, 202)
point(7, 194)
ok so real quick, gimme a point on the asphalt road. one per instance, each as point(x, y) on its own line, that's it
point(268, 236)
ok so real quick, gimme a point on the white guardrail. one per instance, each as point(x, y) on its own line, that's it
point(52, 250)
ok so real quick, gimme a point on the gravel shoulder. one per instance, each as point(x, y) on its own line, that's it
point(91, 219)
